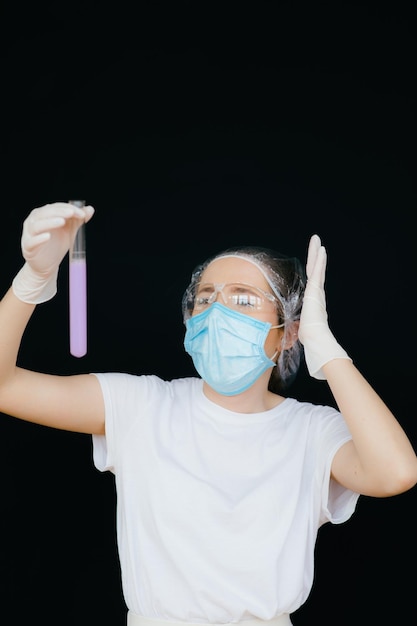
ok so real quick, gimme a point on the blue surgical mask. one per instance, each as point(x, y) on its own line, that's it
point(227, 348)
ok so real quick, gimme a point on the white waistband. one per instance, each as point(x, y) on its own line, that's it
point(138, 620)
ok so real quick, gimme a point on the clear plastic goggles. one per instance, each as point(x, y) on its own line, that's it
point(237, 296)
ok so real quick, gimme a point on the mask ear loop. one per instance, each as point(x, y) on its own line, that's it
point(276, 353)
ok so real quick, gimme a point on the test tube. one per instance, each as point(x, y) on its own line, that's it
point(78, 291)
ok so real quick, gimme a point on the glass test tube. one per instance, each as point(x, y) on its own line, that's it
point(78, 291)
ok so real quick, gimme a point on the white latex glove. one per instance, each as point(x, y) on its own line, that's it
point(48, 233)
point(320, 346)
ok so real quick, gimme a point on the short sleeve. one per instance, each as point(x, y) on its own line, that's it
point(337, 502)
point(126, 397)
point(102, 456)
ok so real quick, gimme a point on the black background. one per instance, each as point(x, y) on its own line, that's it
point(193, 126)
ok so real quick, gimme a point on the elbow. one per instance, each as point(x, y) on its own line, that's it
point(401, 481)
point(408, 481)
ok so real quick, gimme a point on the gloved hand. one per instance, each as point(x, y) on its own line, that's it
point(320, 346)
point(48, 233)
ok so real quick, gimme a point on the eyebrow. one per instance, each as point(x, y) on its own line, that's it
point(238, 284)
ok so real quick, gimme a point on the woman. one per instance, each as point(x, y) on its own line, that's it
point(222, 481)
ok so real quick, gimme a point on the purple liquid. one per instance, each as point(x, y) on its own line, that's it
point(78, 307)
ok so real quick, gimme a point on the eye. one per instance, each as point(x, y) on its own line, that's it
point(244, 297)
point(203, 297)
point(202, 300)
point(245, 300)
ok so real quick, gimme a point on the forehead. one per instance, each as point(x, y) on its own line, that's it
point(234, 270)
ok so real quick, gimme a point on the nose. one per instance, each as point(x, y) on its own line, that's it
point(218, 290)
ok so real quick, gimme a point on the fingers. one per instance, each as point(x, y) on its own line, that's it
point(41, 221)
point(316, 261)
point(313, 249)
point(31, 242)
point(62, 210)
point(319, 270)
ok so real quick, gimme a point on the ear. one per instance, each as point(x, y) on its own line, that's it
point(290, 336)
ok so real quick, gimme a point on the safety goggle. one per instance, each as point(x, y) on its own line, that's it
point(241, 297)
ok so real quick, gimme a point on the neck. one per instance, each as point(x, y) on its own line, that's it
point(256, 399)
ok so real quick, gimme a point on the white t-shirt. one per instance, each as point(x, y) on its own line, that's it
point(217, 512)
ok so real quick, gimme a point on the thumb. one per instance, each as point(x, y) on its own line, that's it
point(89, 212)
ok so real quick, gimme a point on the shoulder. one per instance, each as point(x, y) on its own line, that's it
point(307, 410)
point(319, 419)
point(132, 384)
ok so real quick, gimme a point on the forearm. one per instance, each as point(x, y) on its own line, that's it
point(384, 453)
point(14, 317)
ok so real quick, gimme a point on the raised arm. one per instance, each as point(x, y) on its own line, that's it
point(380, 460)
point(66, 402)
